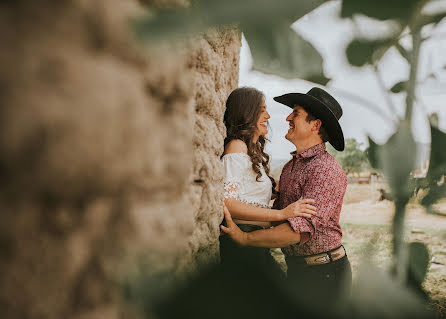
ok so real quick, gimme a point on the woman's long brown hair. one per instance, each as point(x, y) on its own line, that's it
point(241, 117)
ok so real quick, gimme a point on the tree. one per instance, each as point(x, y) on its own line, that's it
point(352, 159)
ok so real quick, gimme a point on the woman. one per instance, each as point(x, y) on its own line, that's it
point(248, 184)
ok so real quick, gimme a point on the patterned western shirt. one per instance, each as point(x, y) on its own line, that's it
point(314, 174)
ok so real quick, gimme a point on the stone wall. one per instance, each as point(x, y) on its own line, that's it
point(109, 155)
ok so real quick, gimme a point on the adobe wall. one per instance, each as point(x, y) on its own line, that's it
point(109, 154)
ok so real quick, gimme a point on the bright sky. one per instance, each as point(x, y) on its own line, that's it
point(330, 35)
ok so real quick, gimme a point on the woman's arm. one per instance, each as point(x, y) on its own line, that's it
point(279, 236)
point(240, 210)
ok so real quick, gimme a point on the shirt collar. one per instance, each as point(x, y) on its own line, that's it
point(312, 151)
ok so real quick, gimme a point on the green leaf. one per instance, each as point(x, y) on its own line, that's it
point(418, 262)
point(275, 47)
point(361, 51)
point(430, 19)
point(376, 294)
point(437, 169)
point(435, 193)
point(372, 154)
point(396, 159)
point(381, 9)
point(399, 87)
point(279, 50)
point(437, 161)
point(169, 24)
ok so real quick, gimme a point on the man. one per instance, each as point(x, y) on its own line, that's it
point(317, 262)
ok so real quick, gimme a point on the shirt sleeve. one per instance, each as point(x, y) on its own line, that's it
point(234, 166)
point(278, 201)
point(326, 185)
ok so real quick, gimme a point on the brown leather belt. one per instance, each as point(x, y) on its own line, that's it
point(325, 258)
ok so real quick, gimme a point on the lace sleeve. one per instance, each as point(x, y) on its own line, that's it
point(232, 190)
point(235, 165)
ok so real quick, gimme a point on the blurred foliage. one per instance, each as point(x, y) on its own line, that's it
point(405, 13)
point(352, 159)
point(399, 87)
point(435, 179)
point(362, 51)
point(396, 159)
point(275, 47)
point(281, 48)
point(418, 263)
point(243, 290)
point(437, 162)
point(378, 295)
point(147, 283)
point(401, 10)
point(249, 288)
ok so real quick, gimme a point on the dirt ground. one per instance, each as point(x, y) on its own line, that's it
point(361, 206)
point(381, 213)
point(364, 218)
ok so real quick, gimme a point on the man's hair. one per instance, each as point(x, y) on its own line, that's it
point(322, 132)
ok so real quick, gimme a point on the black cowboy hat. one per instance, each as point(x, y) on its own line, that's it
point(323, 106)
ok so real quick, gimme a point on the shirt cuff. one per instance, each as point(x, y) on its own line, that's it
point(301, 225)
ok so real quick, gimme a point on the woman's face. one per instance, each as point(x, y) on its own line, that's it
point(262, 121)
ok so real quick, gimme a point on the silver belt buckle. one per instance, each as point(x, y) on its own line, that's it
point(323, 258)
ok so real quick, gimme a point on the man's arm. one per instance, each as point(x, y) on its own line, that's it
point(240, 210)
point(279, 236)
point(276, 237)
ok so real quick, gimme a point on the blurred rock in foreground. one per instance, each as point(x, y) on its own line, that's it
point(109, 154)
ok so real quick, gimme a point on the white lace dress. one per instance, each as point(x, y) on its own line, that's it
point(240, 181)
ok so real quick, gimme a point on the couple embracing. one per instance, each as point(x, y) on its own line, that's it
point(304, 220)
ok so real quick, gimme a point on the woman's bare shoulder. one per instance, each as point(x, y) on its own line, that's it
point(236, 146)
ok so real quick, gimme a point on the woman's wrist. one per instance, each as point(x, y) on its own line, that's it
point(274, 215)
point(280, 215)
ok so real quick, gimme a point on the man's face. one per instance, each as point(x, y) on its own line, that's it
point(299, 129)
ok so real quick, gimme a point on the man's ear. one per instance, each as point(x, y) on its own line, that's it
point(317, 125)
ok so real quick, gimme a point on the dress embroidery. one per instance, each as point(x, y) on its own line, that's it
point(231, 190)
point(254, 204)
point(240, 181)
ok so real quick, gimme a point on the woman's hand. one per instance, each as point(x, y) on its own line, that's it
point(300, 208)
point(232, 229)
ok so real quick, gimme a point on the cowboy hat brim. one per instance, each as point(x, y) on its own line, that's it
point(319, 110)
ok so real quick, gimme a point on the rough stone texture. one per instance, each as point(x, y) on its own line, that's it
point(109, 154)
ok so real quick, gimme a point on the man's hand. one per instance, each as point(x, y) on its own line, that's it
point(232, 230)
point(300, 208)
